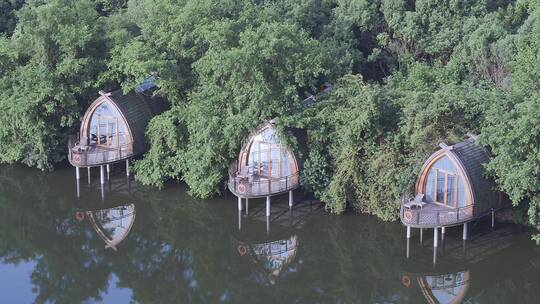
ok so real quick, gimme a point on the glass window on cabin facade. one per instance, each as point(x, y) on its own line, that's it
point(107, 127)
point(444, 184)
point(268, 157)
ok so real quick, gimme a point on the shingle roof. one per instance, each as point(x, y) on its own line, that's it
point(138, 110)
point(473, 158)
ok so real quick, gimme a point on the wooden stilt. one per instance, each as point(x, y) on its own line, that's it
point(77, 173)
point(247, 206)
point(128, 184)
point(465, 231)
point(88, 175)
point(443, 232)
point(408, 232)
point(421, 235)
point(108, 171)
point(239, 220)
point(291, 220)
point(239, 203)
point(268, 206)
point(290, 199)
point(127, 167)
point(102, 174)
point(435, 237)
point(408, 247)
point(267, 225)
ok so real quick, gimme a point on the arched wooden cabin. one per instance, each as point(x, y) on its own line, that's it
point(452, 188)
point(113, 128)
point(265, 166)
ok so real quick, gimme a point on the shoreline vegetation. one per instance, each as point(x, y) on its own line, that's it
point(406, 75)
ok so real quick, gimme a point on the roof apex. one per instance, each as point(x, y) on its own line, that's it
point(472, 136)
point(444, 146)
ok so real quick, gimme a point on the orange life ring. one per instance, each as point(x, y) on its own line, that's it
point(406, 281)
point(242, 250)
point(79, 216)
point(241, 188)
point(407, 215)
point(77, 158)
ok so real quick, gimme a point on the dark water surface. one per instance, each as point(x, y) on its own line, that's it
point(143, 245)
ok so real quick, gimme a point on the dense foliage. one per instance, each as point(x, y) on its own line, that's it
point(406, 76)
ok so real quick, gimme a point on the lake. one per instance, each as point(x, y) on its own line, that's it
point(127, 243)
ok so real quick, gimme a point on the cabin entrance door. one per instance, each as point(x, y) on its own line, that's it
point(267, 159)
point(107, 131)
point(447, 188)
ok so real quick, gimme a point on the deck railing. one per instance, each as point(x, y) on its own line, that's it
point(435, 216)
point(94, 155)
point(254, 186)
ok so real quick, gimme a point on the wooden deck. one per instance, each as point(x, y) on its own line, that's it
point(433, 215)
point(94, 155)
point(252, 186)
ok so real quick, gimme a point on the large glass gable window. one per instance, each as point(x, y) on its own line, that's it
point(444, 184)
point(268, 157)
point(107, 127)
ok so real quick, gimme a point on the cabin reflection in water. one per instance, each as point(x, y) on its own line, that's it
point(272, 254)
point(271, 258)
point(447, 288)
point(112, 225)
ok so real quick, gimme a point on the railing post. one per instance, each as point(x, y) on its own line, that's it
point(438, 218)
point(418, 218)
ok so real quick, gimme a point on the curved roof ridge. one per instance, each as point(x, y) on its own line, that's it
point(138, 109)
point(473, 157)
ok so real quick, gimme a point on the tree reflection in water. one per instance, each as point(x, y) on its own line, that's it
point(180, 249)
